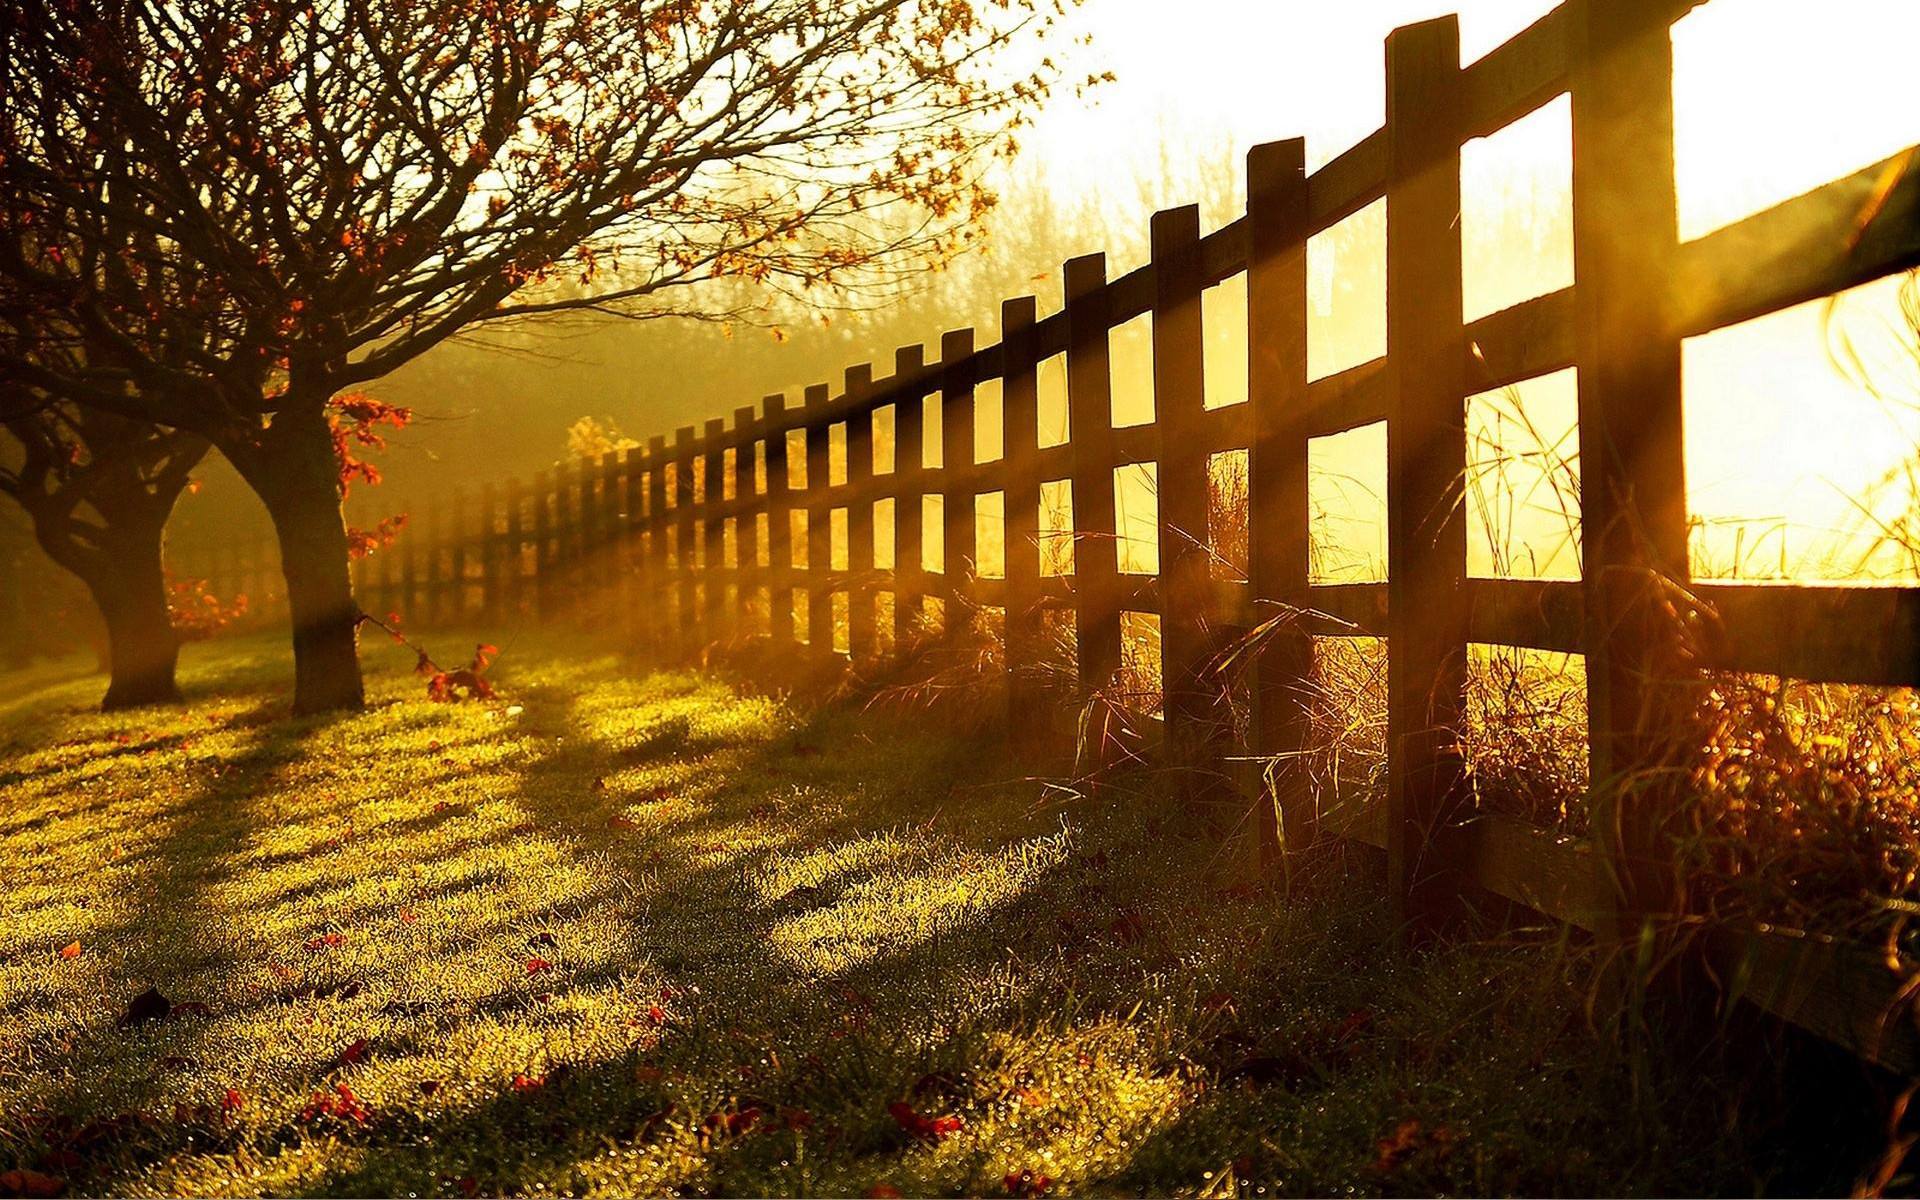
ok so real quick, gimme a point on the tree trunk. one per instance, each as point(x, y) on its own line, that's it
point(130, 589)
point(299, 479)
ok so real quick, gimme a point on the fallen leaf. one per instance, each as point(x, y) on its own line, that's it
point(71, 950)
point(536, 966)
point(528, 1083)
point(1026, 1183)
point(232, 1101)
point(429, 1086)
point(931, 1129)
point(149, 1005)
point(883, 1191)
point(353, 1053)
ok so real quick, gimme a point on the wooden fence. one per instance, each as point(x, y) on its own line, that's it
point(696, 535)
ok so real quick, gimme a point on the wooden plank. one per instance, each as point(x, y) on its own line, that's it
point(1027, 718)
point(1277, 518)
point(1633, 514)
point(1537, 613)
point(1426, 461)
point(1197, 719)
point(1090, 415)
point(1534, 337)
point(653, 593)
point(1518, 76)
point(1849, 232)
point(779, 523)
point(861, 597)
point(1357, 396)
point(1344, 186)
point(956, 459)
point(819, 522)
point(1862, 635)
point(1841, 992)
point(909, 471)
point(684, 575)
point(713, 531)
point(1553, 874)
point(748, 504)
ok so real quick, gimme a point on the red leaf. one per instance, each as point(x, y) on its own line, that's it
point(232, 1100)
point(536, 966)
point(71, 950)
point(528, 1083)
point(1026, 1183)
point(341, 1103)
point(656, 1014)
point(931, 1129)
point(353, 1053)
point(30, 1183)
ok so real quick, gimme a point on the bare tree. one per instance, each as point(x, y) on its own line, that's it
point(98, 489)
point(307, 194)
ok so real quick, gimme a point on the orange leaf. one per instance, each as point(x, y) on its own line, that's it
point(71, 950)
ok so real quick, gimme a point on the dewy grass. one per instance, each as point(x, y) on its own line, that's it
point(626, 932)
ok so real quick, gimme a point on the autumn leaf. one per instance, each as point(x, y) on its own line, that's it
point(1026, 1183)
point(538, 966)
point(70, 951)
point(354, 1053)
point(883, 1191)
point(930, 1129)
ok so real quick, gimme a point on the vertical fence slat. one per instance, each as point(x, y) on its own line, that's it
point(1026, 700)
point(958, 549)
point(1426, 464)
point(746, 525)
point(632, 566)
point(543, 560)
point(909, 471)
point(819, 523)
point(1189, 625)
point(1633, 514)
point(713, 530)
point(1277, 516)
point(684, 575)
point(779, 522)
point(653, 591)
point(1096, 581)
point(861, 597)
point(514, 591)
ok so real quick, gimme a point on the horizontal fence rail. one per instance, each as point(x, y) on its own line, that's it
point(730, 528)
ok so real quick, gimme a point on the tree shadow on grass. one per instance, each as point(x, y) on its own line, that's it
point(755, 1021)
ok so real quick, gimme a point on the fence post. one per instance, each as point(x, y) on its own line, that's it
point(489, 551)
point(514, 566)
point(1277, 516)
point(654, 586)
point(1426, 466)
point(819, 524)
point(958, 549)
point(1096, 569)
point(1027, 717)
point(683, 538)
point(861, 596)
point(909, 470)
point(779, 522)
point(713, 528)
point(629, 547)
point(1633, 510)
point(748, 505)
point(606, 549)
point(1189, 624)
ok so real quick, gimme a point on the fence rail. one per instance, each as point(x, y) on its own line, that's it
point(699, 537)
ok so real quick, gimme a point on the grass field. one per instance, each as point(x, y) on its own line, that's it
point(624, 932)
